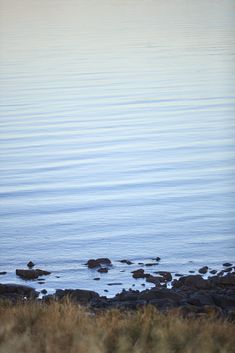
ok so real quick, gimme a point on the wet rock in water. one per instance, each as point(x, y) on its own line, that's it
point(31, 274)
point(57, 276)
point(138, 273)
point(41, 282)
point(192, 281)
point(115, 284)
point(78, 295)
point(191, 271)
point(30, 264)
point(17, 291)
point(143, 284)
point(153, 279)
point(140, 263)
point(106, 290)
point(122, 271)
point(166, 275)
point(203, 270)
point(93, 263)
point(128, 262)
point(227, 264)
point(178, 275)
point(96, 279)
point(213, 272)
point(103, 270)
point(158, 258)
point(3, 273)
point(228, 269)
point(44, 291)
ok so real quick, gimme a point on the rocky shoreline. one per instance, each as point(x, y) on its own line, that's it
point(192, 294)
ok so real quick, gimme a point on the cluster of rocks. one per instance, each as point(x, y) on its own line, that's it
point(192, 295)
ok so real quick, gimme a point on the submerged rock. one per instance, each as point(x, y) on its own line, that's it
point(203, 270)
point(138, 273)
point(128, 262)
point(166, 275)
point(31, 274)
point(3, 273)
point(227, 264)
point(213, 272)
point(103, 270)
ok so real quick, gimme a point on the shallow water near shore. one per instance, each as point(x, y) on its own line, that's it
point(117, 137)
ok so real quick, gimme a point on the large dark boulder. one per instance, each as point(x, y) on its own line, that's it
point(200, 299)
point(31, 274)
point(157, 280)
point(192, 281)
point(161, 293)
point(78, 295)
point(223, 300)
point(130, 295)
point(10, 290)
point(223, 281)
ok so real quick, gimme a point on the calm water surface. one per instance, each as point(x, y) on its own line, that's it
point(117, 136)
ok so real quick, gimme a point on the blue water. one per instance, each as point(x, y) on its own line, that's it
point(117, 137)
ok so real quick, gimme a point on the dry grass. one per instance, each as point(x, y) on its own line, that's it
point(62, 328)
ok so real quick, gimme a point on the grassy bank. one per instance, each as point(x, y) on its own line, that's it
point(62, 328)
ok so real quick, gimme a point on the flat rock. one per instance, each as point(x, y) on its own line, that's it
point(31, 274)
point(3, 273)
point(227, 264)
